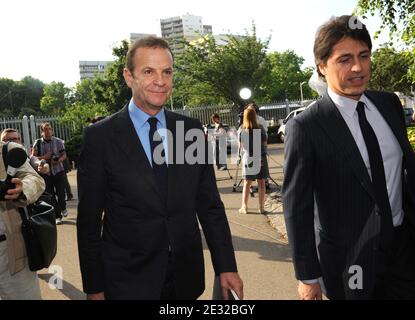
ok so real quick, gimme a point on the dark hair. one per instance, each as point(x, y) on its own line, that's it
point(214, 116)
point(147, 42)
point(334, 31)
point(44, 124)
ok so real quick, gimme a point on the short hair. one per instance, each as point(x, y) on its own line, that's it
point(146, 42)
point(8, 130)
point(214, 116)
point(334, 31)
point(43, 125)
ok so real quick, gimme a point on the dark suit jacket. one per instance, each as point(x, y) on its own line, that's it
point(324, 169)
point(129, 259)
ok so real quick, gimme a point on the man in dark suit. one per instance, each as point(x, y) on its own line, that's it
point(349, 179)
point(147, 244)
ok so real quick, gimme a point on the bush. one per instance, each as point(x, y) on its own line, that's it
point(411, 136)
point(73, 147)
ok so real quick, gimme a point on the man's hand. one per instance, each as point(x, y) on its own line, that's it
point(231, 280)
point(43, 168)
point(95, 296)
point(13, 194)
point(46, 156)
point(309, 291)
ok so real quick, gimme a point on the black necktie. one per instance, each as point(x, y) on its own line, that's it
point(160, 170)
point(378, 178)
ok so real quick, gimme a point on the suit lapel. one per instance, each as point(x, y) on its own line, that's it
point(126, 137)
point(336, 128)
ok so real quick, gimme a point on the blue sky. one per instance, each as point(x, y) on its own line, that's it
point(47, 38)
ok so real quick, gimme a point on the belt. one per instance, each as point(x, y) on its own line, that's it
point(2, 237)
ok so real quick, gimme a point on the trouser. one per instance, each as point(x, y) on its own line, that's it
point(218, 157)
point(68, 189)
point(23, 285)
point(395, 278)
point(55, 185)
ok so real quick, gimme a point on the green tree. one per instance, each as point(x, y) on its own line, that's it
point(397, 15)
point(286, 77)
point(223, 70)
point(112, 90)
point(20, 97)
point(32, 92)
point(390, 71)
point(55, 98)
point(79, 115)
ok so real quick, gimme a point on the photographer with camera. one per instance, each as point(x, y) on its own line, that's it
point(52, 150)
point(13, 135)
point(20, 185)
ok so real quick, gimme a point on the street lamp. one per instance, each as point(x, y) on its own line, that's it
point(245, 93)
point(301, 90)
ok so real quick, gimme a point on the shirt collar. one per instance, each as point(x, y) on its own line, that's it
point(139, 117)
point(347, 105)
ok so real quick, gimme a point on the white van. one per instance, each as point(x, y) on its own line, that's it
point(292, 114)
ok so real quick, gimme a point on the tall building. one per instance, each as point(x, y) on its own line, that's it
point(187, 27)
point(137, 36)
point(89, 69)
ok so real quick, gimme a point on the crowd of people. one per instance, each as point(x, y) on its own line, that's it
point(348, 191)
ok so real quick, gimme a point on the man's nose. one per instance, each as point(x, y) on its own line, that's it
point(159, 80)
point(357, 65)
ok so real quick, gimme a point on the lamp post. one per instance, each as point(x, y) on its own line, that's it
point(301, 91)
point(245, 93)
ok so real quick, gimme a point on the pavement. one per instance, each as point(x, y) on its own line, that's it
point(261, 249)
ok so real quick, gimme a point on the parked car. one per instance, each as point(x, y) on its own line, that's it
point(292, 114)
point(409, 116)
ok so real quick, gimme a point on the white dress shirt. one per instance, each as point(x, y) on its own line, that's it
point(389, 146)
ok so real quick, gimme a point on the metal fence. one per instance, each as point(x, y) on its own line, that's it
point(29, 128)
point(229, 114)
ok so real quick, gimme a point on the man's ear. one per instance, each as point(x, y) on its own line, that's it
point(322, 69)
point(128, 77)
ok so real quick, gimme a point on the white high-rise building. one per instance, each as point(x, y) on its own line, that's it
point(187, 27)
point(89, 69)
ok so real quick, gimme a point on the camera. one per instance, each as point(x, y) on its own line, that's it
point(55, 158)
point(4, 186)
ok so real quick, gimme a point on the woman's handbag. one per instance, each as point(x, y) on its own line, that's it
point(39, 234)
point(38, 229)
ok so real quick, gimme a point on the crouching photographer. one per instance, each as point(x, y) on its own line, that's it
point(20, 186)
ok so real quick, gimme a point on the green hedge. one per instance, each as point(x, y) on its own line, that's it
point(411, 136)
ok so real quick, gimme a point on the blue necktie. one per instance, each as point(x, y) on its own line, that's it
point(378, 178)
point(160, 170)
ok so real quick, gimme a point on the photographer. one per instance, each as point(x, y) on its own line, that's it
point(16, 279)
point(215, 132)
point(52, 150)
point(13, 135)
